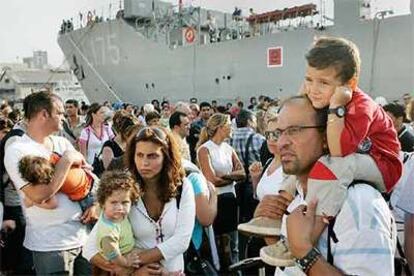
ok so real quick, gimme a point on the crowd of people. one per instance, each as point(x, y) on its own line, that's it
point(194, 188)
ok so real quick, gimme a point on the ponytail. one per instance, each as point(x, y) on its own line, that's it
point(215, 121)
point(93, 108)
point(88, 120)
point(203, 137)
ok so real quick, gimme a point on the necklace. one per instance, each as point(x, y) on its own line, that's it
point(159, 235)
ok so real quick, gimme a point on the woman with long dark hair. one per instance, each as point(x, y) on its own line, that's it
point(163, 217)
point(95, 133)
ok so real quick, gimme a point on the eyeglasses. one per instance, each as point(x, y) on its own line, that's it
point(271, 135)
point(291, 131)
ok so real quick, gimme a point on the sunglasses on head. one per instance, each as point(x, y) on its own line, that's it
point(148, 131)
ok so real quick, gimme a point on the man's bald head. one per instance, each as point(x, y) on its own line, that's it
point(320, 115)
point(302, 138)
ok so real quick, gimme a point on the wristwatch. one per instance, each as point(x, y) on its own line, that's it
point(309, 260)
point(339, 111)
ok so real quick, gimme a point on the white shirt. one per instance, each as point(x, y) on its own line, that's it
point(365, 231)
point(46, 230)
point(176, 226)
point(141, 119)
point(403, 194)
point(269, 184)
point(221, 162)
point(182, 143)
point(93, 143)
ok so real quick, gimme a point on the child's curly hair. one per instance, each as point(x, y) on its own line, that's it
point(36, 170)
point(117, 180)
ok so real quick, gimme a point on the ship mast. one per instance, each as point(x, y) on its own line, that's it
point(180, 6)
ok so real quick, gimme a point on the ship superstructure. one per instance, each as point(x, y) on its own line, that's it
point(154, 50)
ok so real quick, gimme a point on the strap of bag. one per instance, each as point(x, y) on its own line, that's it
point(209, 231)
point(178, 196)
point(406, 156)
point(331, 235)
point(112, 142)
point(266, 165)
point(100, 152)
point(331, 232)
point(197, 252)
point(4, 181)
point(111, 146)
point(88, 130)
point(246, 153)
point(68, 130)
point(407, 269)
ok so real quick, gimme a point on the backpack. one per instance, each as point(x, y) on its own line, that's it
point(188, 171)
point(195, 263)
point(97, 164)
point(4, 178)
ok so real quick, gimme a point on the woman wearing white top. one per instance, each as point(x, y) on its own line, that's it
point(269, 181)
point(162, 226)
point(266, 184)
point(95, 133)
point(220, 165)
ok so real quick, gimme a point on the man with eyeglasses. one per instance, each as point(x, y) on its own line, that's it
point(361, 239)
point(362, 142)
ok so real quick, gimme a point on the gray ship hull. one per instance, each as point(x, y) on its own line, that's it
point(115, 62)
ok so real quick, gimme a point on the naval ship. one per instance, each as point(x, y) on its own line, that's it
point(156, 50)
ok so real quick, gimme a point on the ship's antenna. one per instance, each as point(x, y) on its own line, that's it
point(323, 11)
point(378, 17)
point(180, 6)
